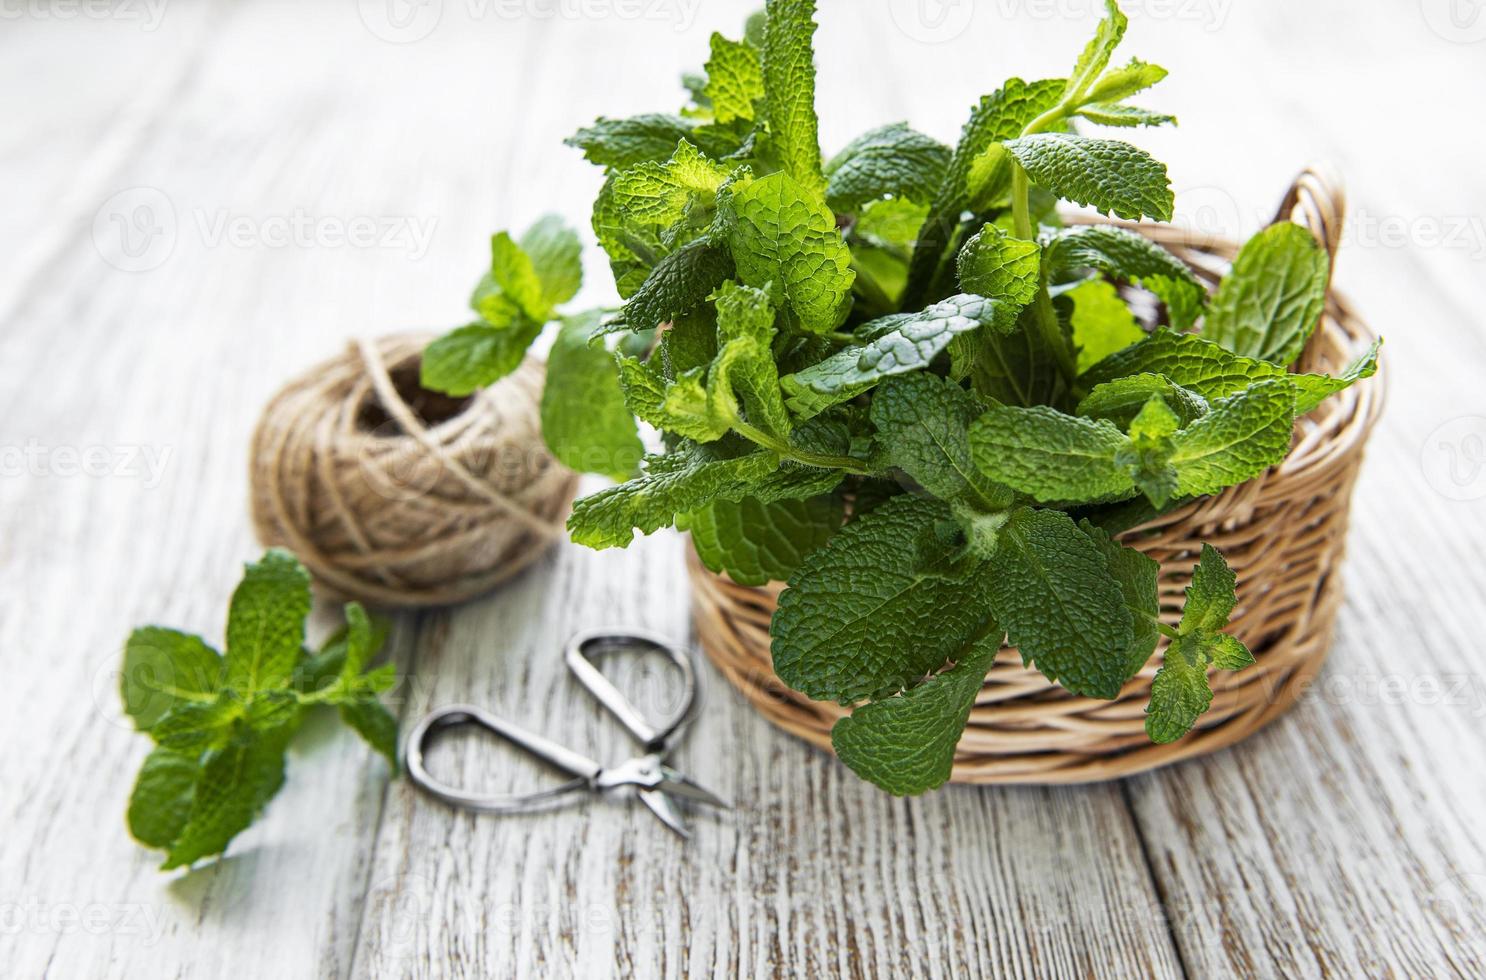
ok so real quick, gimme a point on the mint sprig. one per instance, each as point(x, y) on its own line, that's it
point(897, 382)
point(222, 722)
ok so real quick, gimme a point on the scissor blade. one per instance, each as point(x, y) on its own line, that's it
point(662, 807)
point(687, 788)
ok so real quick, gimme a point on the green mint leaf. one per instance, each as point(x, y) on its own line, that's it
point(785, 238)
point(1215, 372)
point(236, 782)
point(1148, 456)
point(476, 355)
point(1121, 83)
point(163, 669)
point(374, 723)
point(1122, 399)
point(899, 343)
point(921, 421)
point(161, 800)
point(1048, 455)
point(585, 421)
point(1052, 589)
point(681, 407)
point(1126, 255)
point(890, 161)
point(906, 744)
point(1107, 114)
point(554, 252)
point(867, 614)
point(677, 483)
point(735, 79)
point(195, 726)
point(1096, 54)
point(1211, 597)
point(744, 373)
point(994, 264)
point(512, 270)
point(1138, 578)
point(679, 283)
point(633, 247)
point(362, 641)
point(789, 91)
point(889, 224)
point(973, 172)
point(756, 543)
point(623, 143)
point(265, 623)
point(1019, 367)
point(1271, 301)
point(662, 193)
point(1179, 693)
point(1240, 438)
point(1228, 652)
point(1101, 322)
point(1108, 175)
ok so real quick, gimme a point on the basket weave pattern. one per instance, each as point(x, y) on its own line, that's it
point(1283, 533)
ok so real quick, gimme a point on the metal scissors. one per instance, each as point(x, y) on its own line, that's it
point(655, 783)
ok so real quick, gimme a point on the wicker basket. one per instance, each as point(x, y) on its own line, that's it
point(1283, 532)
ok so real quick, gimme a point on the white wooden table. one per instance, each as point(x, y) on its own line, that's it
point(1345, 840)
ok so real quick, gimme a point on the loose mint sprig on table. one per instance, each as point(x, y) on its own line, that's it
point(222, 722)
point(897, 381)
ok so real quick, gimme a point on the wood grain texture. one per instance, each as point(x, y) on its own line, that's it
point(1346, 840)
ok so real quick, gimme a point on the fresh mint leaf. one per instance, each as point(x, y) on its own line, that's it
point(161, 801)
point(265, 623)
point(1096, 54)
point(1240, 438)
point(994, 264)
point(623, 143)
point(735, 79)
point(1138, 578)
point(921, 422)
point(1121, 83)
point(1211, 597)
point(888, 162)
point(1048, 455)
point(744, 374)
point(676, 483)
point(1122, 399)
point(906, 743)
point(1179, 692)
point(475, 356)
point(221, 740)
point(681, 406)
point(1052, 589)
point(375, 724)
point(785, 238)
point(163, 669)
point(633, 247)
point(1101, 322)
point(1107, 114)
point(1110, 176)
point(973, 168)
point(585, 422)
point(680, 282)
point(898, 344)
point(1135, 258)
point(1270, 303)
point(554, 252)
point(662, 193)
point(869, 613)
point(756, 543)
point(511, 270)
point(789, 91)
point(1148, 456)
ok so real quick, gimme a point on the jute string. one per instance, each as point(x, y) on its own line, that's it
point(403, 504)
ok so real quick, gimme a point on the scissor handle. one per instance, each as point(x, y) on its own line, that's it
point(579, 657)
point(583, 769)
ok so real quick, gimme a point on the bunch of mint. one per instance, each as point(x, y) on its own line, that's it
point(221, 724)
point(898, 382)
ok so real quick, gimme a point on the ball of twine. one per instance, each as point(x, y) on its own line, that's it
point(399, 496)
